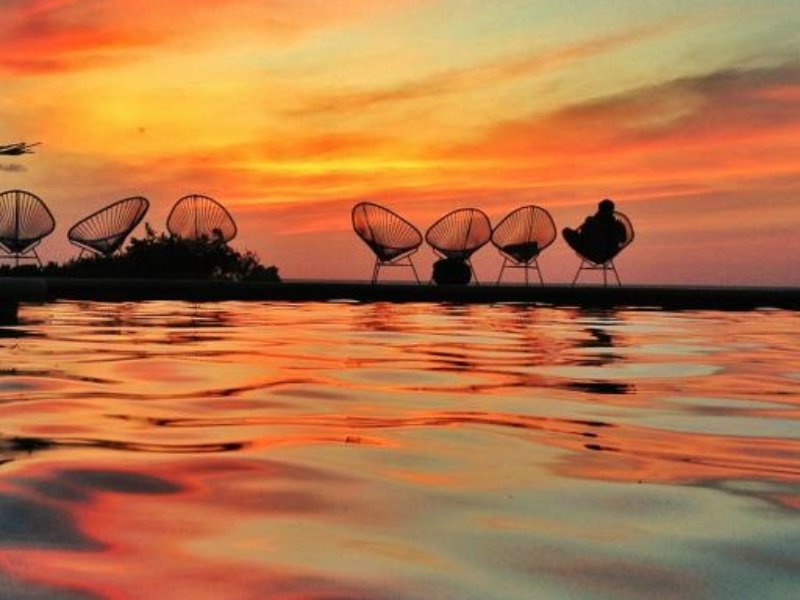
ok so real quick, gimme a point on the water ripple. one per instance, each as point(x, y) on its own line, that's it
point(397, 451)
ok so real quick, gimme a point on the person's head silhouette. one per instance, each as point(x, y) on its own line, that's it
point(606, 207)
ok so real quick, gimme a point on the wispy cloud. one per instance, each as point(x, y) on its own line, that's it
point(52, 36)
point(687, 137)
point(730, 99)
point(484, 75)
point(726, 118)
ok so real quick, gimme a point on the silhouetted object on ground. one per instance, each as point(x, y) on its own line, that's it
point(103, 232)
point(17, 149)
point(521, 237)
point(459, 234)
point(25, 221)
point(393, 239)
point(601, 237)
point(451, 271)
point(195, 216)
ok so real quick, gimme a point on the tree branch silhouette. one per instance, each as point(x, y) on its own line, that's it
point(17, 149)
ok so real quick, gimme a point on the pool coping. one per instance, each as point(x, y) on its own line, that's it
point(17, 289)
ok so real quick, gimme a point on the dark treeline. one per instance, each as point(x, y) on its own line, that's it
point(160, 256)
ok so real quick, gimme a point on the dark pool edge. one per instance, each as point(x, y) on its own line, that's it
point(15, 290)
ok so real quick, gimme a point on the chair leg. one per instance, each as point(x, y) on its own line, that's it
point(474, 274)
point(605, 275)
point(614, 269)
point(499, 277)
point(375, 270)
point(538, 272)
point(580, 268)
point(411, 262)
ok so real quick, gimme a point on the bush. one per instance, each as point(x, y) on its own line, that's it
point(161, 256)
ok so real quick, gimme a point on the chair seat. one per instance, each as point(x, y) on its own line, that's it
point(18, 246)
point(105, 246)
point(598, 258)
point(461, 255)
point(460, 233)
point(523, 253)
point(390, 253)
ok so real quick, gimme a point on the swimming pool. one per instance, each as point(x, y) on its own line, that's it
point(340, 450)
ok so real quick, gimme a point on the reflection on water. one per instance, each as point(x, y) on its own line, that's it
point(316, 451)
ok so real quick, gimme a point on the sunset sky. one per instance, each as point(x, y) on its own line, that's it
point(686, 113)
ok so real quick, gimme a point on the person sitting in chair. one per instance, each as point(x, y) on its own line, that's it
point(600, 236)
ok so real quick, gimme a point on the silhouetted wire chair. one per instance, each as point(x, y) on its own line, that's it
point(521, 237)
point(195, 216)
point(25, 221)
point(606, 264)
point(103, 232)
point(460, 234)
point(389, 236)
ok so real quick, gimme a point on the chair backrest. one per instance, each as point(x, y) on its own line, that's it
point(459, 234)
point(524, 233)
point(629, 233)
point(388, 234)
point(105, 231)
point(195, 216)
point(24, 221)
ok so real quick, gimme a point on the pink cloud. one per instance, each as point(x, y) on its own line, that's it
point(49, 36)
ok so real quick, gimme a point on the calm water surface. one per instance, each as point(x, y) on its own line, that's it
point(320, 451)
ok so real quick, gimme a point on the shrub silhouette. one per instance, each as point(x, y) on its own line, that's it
point(162, 256)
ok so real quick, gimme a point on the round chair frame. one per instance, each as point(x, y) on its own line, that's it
point(25, 220)
point(531, 229)
point(391, 238)
point(465, 223)
point(195, 226)
point(105, 243)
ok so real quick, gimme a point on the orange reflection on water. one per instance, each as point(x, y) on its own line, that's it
point(148, 529)
point(367, 451)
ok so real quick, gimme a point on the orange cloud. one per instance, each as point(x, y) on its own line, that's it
point(51, 36)
point(47, 36)
point(689, 138)
point(725, 124)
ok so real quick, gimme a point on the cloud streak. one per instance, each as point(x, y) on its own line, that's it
point(686, 137)
point(45, 37)
point(726, 117)
point(484, 75)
